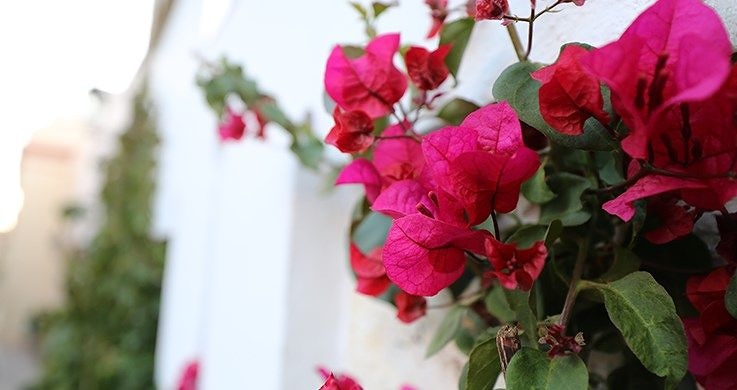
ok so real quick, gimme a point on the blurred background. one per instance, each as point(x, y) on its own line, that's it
point(136, 247)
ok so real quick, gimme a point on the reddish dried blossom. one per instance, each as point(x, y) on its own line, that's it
point(409, 307)
point(369, 270)
point(712, 337)
point(232, 127)
point(370, 83)
point(438, 13)
point(515, 268)
point(427, 70)
point(554, 337)
point(491, 9)
point(569, 94)
point(353, 131)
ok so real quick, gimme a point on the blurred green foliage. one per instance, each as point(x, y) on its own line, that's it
point(104, 337)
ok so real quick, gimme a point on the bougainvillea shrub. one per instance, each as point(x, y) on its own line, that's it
point(569, 217)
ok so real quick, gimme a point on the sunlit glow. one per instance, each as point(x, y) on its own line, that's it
point(54, 52)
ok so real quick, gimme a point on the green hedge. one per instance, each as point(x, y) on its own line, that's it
point(104, 337)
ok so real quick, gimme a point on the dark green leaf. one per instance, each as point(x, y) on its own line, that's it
point(730, 298)
point(521, 91)
point(456, 33)
point(483, 365)
point(609, 165)
point(567, 206)
point(553, 233)
point(525, 236)
point(645, 314)
point(625, 263)
point(446, 331)
point(536, 190)
point(528, 235)
point(533, 370)
point(371, 232)
point(519, 302)
point(456, 111)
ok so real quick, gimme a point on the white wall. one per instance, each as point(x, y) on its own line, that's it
point(256, 284)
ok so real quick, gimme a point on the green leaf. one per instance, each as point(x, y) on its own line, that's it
point(730, 298)
point(457, 34)
point(273, 113)
point(380, 7)
point(456, 111)
point(496, 303)
point(328, 103)
point(525, 236)
point(360, 9)
point(521, 91)
point(371, 232)
point(532, 370)
point(536, 190)
point(625, 262)
point(553, 233)
point(483, 365)
point(463, 379)
point(645, 314)
point(446, 331)
point(567, 206)
point(609, 165)
point(305, 144)
point(519, 302)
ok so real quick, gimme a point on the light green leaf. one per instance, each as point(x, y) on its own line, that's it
point(532, 370)
point(536, 190)
point(645, 314)
point(457, 34)
point(730, 298)
point(521, 91)
point(371, 232)
point(567, 206)
point(446, 331)
point(456, 111)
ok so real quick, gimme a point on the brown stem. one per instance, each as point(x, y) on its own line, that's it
point(514, 38)
point(496, 226)
point(530, 29)
point(570, 301)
